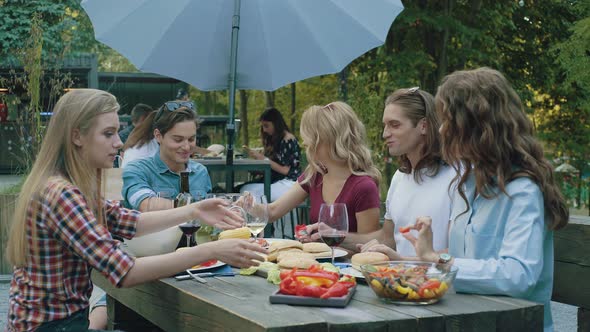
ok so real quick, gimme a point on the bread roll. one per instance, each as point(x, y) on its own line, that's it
point(299, 262)
point(286, 254)
point(284, 244)
point(368, 257)
point(314, 247)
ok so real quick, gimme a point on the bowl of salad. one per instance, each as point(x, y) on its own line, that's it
point(407, 282)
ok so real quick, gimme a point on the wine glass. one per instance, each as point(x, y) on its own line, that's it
point(333, 224)
point(190, 227)
point(234, 200)
point(257, 209)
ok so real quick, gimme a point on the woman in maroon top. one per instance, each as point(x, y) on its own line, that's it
point(339, 170)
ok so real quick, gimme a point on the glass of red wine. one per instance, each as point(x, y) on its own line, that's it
point(333, 224)
point(190, 227)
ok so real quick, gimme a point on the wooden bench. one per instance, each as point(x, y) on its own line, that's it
point(571, 283)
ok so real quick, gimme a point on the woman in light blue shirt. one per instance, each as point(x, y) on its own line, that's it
point(507, 204)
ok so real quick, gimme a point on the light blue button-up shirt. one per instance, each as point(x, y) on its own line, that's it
point(146, 177)
point(502, 246)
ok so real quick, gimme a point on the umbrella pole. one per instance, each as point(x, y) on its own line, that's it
point(231, 127)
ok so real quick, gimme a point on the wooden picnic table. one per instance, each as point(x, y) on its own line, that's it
point(177, 306)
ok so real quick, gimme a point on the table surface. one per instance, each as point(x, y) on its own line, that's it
point(242, 304)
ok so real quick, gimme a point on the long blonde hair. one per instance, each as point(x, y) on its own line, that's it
point(58, 156)
point(336, 126)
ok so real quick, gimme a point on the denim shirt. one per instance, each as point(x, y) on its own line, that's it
point(502, 245)
point(146, 177)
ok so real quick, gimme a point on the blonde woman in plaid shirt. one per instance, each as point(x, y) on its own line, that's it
point(62, 227)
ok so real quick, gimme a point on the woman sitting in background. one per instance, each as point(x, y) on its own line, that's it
point(141, 142)
point(282, 149)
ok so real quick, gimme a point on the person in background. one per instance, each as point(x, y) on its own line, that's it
point(182, 95)
point(421, 185)
point(62, 227)
point(174, 130)
point(138, 114)
point(281, 148)
point(507, 205)
point(340, 168)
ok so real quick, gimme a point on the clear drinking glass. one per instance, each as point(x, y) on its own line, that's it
point(333, 224)
point(257, 210)
point(235, 206)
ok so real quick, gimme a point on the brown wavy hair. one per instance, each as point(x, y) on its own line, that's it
point(485, 131)
point(417, 105)
point(272, 142)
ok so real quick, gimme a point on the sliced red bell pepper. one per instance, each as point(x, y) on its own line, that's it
point(301, 231)
point(312, 291)
point(209, 263)
point(430, 284)
point(288, 286)
point(404, 229)
point(337, 290)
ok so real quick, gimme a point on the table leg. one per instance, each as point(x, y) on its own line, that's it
point(122, 318)
point(270, 229)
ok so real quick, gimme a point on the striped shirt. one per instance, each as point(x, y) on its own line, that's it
point(56, 283)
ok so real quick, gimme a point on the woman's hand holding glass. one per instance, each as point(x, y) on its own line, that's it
point(216, 212)
point(257, 210)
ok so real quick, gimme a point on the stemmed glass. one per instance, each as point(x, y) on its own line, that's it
point(190, 227)
point(333, 224)
point(257, 209)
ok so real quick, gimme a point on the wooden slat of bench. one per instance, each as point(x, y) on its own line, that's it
point(572, 263)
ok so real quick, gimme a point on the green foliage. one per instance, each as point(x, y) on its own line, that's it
point(542, 46)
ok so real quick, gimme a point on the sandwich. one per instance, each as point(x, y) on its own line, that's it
point(369, 257)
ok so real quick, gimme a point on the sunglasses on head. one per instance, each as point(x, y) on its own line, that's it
point(172, 106)
point(415, 90)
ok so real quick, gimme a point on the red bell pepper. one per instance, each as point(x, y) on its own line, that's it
point(209, 263)
point(301, 231)
point(430, 284)
point(312, 291)
point(314, 282)
point(288, 286)
point(404, 229)
point(337, 290)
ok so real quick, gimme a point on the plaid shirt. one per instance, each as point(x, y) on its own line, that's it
point(71, 242)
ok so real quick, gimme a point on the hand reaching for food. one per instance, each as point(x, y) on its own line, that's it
point(252, 154)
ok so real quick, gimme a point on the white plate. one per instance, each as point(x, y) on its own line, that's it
point(352, 272)
point(205, 268)
point(337, 254)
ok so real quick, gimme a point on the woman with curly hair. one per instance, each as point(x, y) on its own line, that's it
point(507, 204)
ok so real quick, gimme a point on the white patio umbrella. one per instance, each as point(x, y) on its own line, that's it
point(233, 44)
